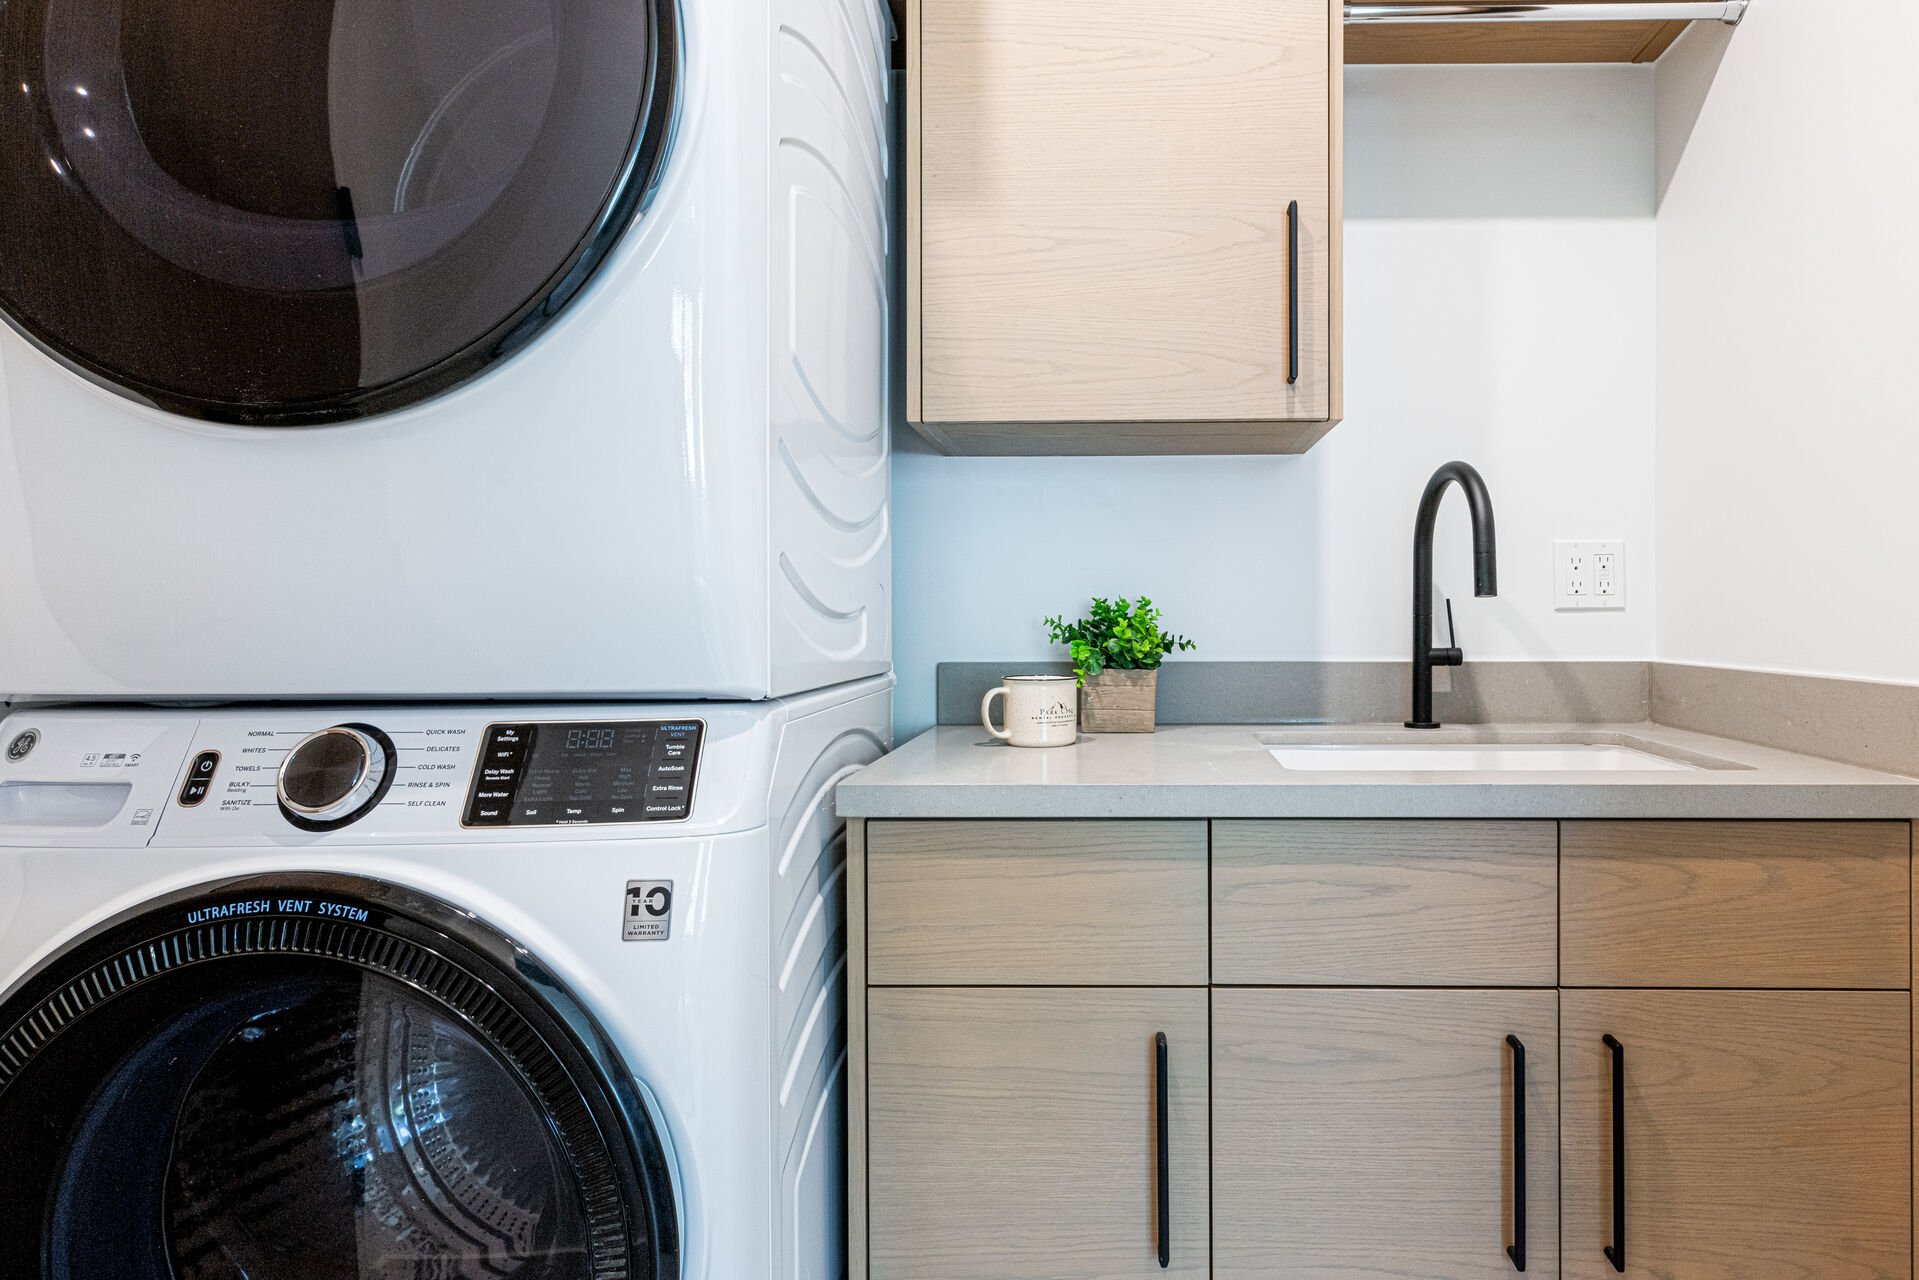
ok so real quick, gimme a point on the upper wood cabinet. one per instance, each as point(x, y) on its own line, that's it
point(1123, 225)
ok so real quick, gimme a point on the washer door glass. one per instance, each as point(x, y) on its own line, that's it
point(315, 209)
point(273, 1097)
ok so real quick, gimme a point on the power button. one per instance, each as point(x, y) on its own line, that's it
point(199, 779)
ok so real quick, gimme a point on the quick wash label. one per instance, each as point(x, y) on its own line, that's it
point(649, 911)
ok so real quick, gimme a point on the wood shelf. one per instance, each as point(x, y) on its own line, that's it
point(1483, 42)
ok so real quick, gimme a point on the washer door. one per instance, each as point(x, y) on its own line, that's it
point(316, 1078)
point(315, 210)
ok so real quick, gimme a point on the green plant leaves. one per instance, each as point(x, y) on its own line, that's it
point(1116, 633)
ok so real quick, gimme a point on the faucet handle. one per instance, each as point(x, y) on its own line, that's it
point(1451, 655)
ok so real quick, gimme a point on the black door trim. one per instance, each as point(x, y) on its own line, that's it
point(628, 194)
point(495, 985)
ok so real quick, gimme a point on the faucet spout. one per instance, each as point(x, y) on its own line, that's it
point(1485, 578)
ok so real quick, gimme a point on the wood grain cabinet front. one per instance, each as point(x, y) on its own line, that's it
point(1736, 904)
point(1382, 1134)
point(1347, 903)
point(983, 903)
point(1433, 1049)
point(1765, 1134)
point(1038, 1134)
point(1123, 224)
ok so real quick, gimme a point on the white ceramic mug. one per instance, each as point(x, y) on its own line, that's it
point(1041, 711)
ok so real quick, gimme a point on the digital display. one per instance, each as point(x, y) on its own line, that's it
point(580, 773)
point(591, 739)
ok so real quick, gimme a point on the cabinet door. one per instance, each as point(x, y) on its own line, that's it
point(1014, 1134)
point(1767, 1133)
point(1366, 1133)
point(1101, 191)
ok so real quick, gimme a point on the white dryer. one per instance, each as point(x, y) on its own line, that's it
point(446, 349)
point(385, 993)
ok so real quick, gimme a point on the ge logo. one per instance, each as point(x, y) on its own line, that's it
point(23, 743)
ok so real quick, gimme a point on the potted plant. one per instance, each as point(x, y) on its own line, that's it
point(1117, 649)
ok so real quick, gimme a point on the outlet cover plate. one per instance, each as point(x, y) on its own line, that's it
point(1589, 574)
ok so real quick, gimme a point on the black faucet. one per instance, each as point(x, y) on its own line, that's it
point(1485, 580)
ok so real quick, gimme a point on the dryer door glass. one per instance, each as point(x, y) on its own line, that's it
point(315, 209)
point(280, 1098)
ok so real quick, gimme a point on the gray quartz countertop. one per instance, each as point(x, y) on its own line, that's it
point(1226, 771)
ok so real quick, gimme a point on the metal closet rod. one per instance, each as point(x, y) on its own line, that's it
point(1726, 11)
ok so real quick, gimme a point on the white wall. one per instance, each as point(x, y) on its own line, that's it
point(1500, 298)
point(1788, 443)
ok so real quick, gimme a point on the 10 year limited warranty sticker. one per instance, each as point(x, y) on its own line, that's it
point(649, 911)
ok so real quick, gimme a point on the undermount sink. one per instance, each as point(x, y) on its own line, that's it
point(1478, 749)
point(1340, 757)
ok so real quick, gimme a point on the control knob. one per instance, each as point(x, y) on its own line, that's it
point(332, 777)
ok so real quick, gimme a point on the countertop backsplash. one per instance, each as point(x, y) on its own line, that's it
point(1860, 722)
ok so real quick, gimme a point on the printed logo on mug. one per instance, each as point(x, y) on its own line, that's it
point(1041, 711)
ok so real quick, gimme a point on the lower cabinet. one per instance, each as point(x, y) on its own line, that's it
point(1766, 1133)
point(1734, 1016)
point(1015, 1133)
point(1381, 1133)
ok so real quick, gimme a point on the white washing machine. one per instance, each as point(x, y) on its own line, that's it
point(447, 349)
point(388, 993)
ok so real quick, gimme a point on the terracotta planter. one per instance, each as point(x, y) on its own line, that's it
point(1116, 701)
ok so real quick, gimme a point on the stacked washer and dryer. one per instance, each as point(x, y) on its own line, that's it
point(444, 572)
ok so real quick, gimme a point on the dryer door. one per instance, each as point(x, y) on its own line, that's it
point(314, 1078)
point(316, 209)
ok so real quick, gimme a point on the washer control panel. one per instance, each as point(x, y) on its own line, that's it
point(563, 773)
point(347, 776)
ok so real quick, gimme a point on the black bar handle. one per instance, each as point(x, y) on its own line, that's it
point(1517, 1249)
point(1164, 1154)
point(1616, 1251)
point(1292, 292)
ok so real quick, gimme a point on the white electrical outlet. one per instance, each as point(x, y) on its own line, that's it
point(1589, 575)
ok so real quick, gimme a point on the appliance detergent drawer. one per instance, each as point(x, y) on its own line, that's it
point(61, 804)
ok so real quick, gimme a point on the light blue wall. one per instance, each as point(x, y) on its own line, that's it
point(1499, 302)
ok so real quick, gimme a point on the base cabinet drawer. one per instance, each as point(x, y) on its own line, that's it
point(1036, 903)
point(1766, 1133)
point(1373, 1133)
point(1015, 1134)
point(1321, 902)
point(1735, 904)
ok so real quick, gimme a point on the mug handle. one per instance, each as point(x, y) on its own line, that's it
point(986, 714)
